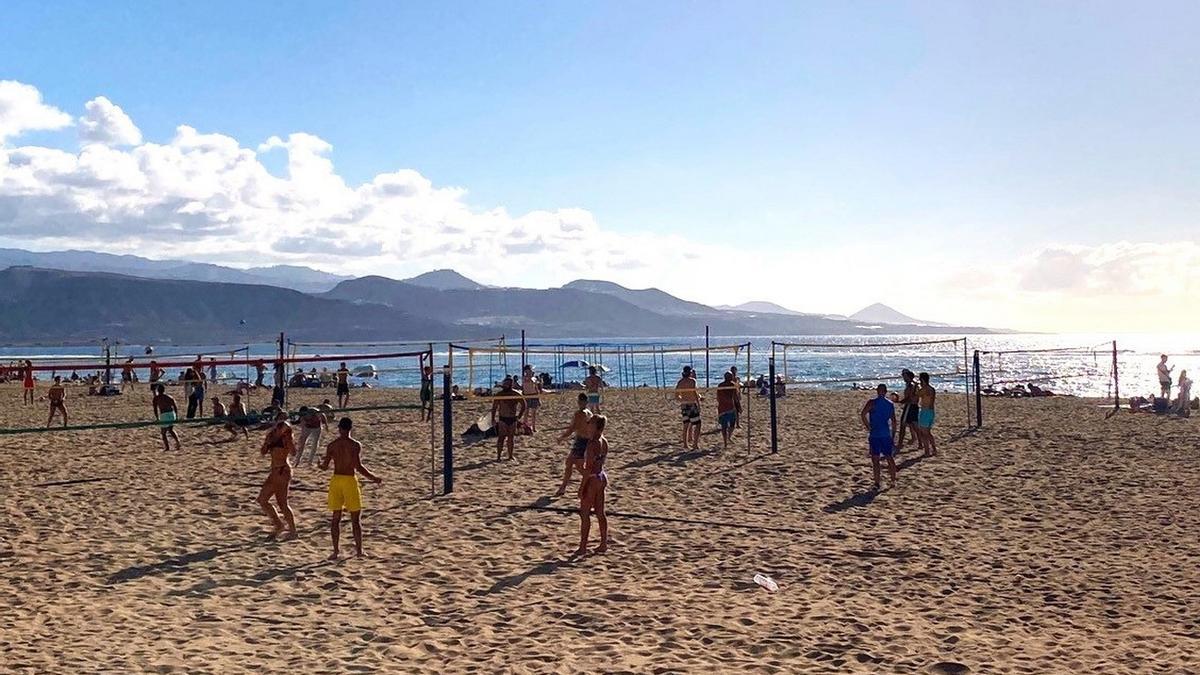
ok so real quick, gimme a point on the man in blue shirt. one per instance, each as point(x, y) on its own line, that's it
point(879, 417)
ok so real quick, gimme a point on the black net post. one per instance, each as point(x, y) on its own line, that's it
point(771, 389)
point(447, 434)
point(978, 394)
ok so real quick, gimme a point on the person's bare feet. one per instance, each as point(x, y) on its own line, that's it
point(579, 553)
point(602, 548)
point(561, 491)
point(274, 535)
point(290, 535)
point(333, 556)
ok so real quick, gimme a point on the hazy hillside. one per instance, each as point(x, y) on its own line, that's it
point(444, 280)
point(881, 313)
point(53, 306)
point(650, 298)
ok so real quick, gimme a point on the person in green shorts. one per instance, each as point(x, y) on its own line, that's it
point(166, 412)
point(926, 398)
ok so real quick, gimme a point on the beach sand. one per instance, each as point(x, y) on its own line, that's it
point(1052, 540)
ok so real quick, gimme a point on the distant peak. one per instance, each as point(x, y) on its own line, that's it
point(444, 280)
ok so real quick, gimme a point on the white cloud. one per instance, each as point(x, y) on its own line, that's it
point(21, 110)
point(105, 123)
point(1120, 268)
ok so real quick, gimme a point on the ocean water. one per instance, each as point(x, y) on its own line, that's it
point(1078, 364)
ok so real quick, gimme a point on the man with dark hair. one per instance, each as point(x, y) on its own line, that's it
point(344, 493)
point(729, 406)
point(507, 408)
point(166, 412)
point(689, 407)
point(1164, 376)
point(876, 415)
point(592, 384)
point(343, 385)
point(908, 411)
point(580, 426)
point(58, 400)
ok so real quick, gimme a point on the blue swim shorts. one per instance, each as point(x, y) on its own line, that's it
point(882, 446)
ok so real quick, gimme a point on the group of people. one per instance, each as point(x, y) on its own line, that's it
point(885, 432)
point(1181, 404)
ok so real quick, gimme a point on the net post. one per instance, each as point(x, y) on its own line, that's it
point(749, 421)
point(523, 352)
point(280, 373)
point(774, 419)
point(447, 434)
point(707, 382)
point(966, 381)
point(978, 394)
point(1116, 379)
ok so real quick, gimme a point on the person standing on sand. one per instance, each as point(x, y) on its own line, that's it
point(508, 406)
point(27, 384)
point(908, 411)
point(729, 406)
point(156, 374)
point(926, 398)
point(592, 489)
point(166, 412)
point(1184, 405)
point(689, 407)
point(592, 384)
point(127, 374)
point(344, 493)
point(343, 385)
point(260, 370)
point(58, 400)
point(1164, 376)
point(427, 394)
point(876, 415)
point(311, 424)
point(531, 389)
point(581, 427)
point(280, 446)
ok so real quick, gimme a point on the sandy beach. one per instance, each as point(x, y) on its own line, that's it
point(1052, 540)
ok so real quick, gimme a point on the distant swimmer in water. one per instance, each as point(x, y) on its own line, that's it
point(689, 407)
point(344, 492)
point(58, 401)
point(592, 384)
point(593, 487)
point(280, 446)
point(166, 412)
point(581, 427)
point(926, 397)
point(507, 408)
point(879, 417)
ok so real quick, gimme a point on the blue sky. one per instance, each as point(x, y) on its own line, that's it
point(968, 135)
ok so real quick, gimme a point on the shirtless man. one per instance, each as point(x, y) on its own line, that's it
point(344, 493)
point(531, 389)
point(427, 394)
point(593, 383)
point(27, 383)
point(156, 374)
point(507, 409)
point(689, 407)
point(878, 416)
point(926, 397)
point(58, 400)
point(343, 385)
point(166, 412)
point(908, 411)
point(127, 374)
point(1164, 376)
point(280, 446)
point(581, 427)
point(260, 370)
point(237, 417)
point(729, 406)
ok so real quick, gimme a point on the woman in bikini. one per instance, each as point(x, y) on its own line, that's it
point(591, 491)
point(280, 445)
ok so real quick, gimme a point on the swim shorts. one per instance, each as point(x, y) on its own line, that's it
point(533, 401)
point(690, 412)
point(508, 421)
point(343, 389)
point(427, 393)
point(593, 398)
point(344, 493)
point(166, 419)
point(727, 419)
point(910, 413)
point(579, 447)
point(925, 418)
point(882, 446)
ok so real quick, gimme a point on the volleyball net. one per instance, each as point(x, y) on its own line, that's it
point(1082, 370)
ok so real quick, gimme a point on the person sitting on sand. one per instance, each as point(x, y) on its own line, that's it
point(58, 401)
point(280, 446)
point(27, 383)
point(689, 399)
point(593, 487)
point(218, 409)
point(344, 493)
point(1184, 405)
point(592, 385)
point(729, 406)
point(508, 407)
point(166, 412)
point(581, 427)
point(531, 389)
point(926, 398)
point(311, 424)
point(237, 417)
point(876, 415)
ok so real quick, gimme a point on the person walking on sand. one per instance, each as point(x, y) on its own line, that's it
point(508, 406)
point(592, 384)
point(1164, 376)
point(343, 385)
point(280, 445)
point(344, 493)
point(580, 426)
point(689, 407)
point(166, 412)
point(311, 424)
point(593, 487)
point(876, 415)
point(908, 411)
point(58, 401)
point(531, 389)
point(127, 374)
point(27, 383)
point(926, 398)
point(729, 406)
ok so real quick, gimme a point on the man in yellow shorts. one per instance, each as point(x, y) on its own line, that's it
point(344, 493)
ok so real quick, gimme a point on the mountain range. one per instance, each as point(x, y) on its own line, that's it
point(88, 296)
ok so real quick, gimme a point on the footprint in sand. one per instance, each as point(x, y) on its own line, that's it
point(948, 668)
